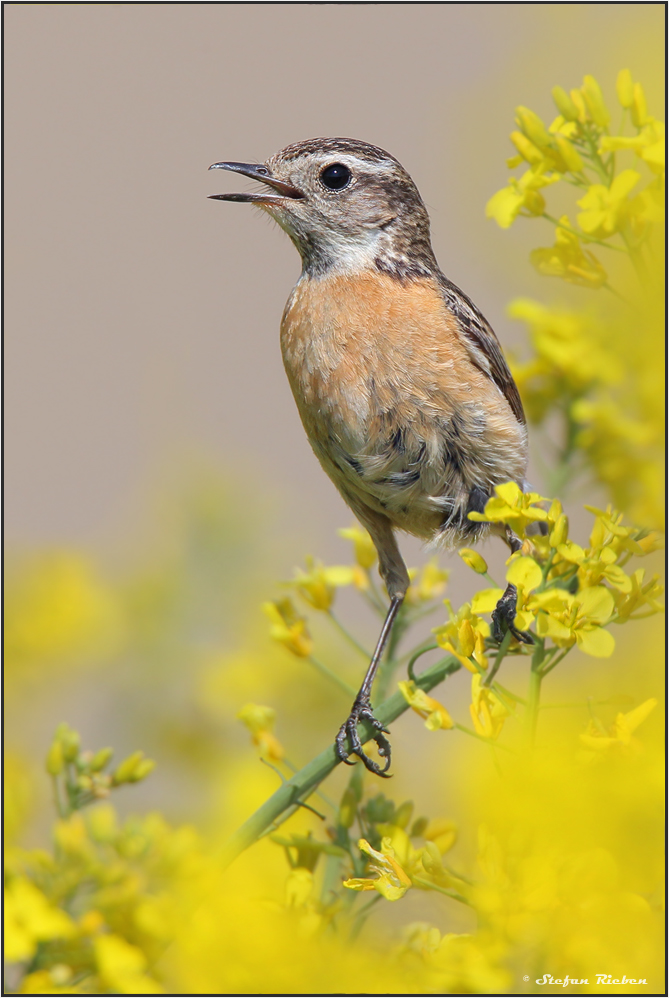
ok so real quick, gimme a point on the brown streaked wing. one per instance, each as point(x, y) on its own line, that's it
point(482, 344)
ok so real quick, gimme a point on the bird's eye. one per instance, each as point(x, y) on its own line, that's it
point(335, 177)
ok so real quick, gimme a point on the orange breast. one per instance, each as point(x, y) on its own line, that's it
point(390, 400)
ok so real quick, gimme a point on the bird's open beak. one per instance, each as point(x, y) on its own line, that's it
point(261, 173)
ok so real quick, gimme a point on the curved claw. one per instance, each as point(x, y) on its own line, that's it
point(363, 712)
point(503, 617)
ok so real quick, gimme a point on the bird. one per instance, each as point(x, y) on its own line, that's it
point(400, 382)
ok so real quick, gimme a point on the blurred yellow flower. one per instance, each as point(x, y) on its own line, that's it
point(289, 628)
point(58, 608)
point(363, 546)
point(604, 208)
point(121, 967)
point(620, 734)
point(260, 722)
point(428, 583)
point(569, 260)
point(487, 710)
point(30, 918)
point(392, 882)
point(435, 714)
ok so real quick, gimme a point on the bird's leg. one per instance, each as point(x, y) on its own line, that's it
point(362, 706)
point(394, 574)
point(504, 614)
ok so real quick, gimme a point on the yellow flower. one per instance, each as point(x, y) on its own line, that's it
point(435, 714)
point(121, 967)
point(464, 636)
point(58, 608)
point(567, 259)
point(573, 352)
point(513, 506)
point(316, 586)
point(641, 597)
point(487, 710)
point(522, 193)
point(288, 627)
point(569, 619)
point(604, 208)
point(620, 733)
point(648, 144)
point(363, 546)
point(260, 722)
point(443, 832)
point(30, 918)
point(427, 584)
point(392, 882)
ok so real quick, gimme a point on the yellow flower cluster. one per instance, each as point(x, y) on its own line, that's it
point(579, 148)
point(571, 593)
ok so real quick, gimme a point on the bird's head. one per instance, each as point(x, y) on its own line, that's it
point(347, 206)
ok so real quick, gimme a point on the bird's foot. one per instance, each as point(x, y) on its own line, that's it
point(503, 617)
point(362, 711)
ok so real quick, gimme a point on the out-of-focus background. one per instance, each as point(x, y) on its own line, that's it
point(142, 320)
point(159, 486)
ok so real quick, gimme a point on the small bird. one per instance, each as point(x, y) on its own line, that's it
point(399, 380)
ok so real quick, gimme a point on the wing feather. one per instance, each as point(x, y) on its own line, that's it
point(482, 344)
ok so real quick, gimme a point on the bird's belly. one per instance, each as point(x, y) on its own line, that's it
point(382, 400)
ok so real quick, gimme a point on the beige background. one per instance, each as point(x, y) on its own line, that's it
point(142, 318)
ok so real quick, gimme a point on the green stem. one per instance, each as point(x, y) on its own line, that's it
point(283, 801)
point(362, 916)
point(414, 658)
point(533, 697)
point(481, 738)
point(324, 671)
point(349, 637)
point(428, 885)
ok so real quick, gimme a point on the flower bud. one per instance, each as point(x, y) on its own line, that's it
point(639, 109)
point(54, 759)
point(431, 859)
point(579, 103)
point(142, 770)
point(474, 560)
point(124, 773)
point(560, 531)
point(625, 88)
point(527, 149)
point(594, 100)
point(532, 126)
point(418, 827)
point(70, 741)
point(101, 758)
point(403, 814)
point(571, 158)
point(564, 104)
